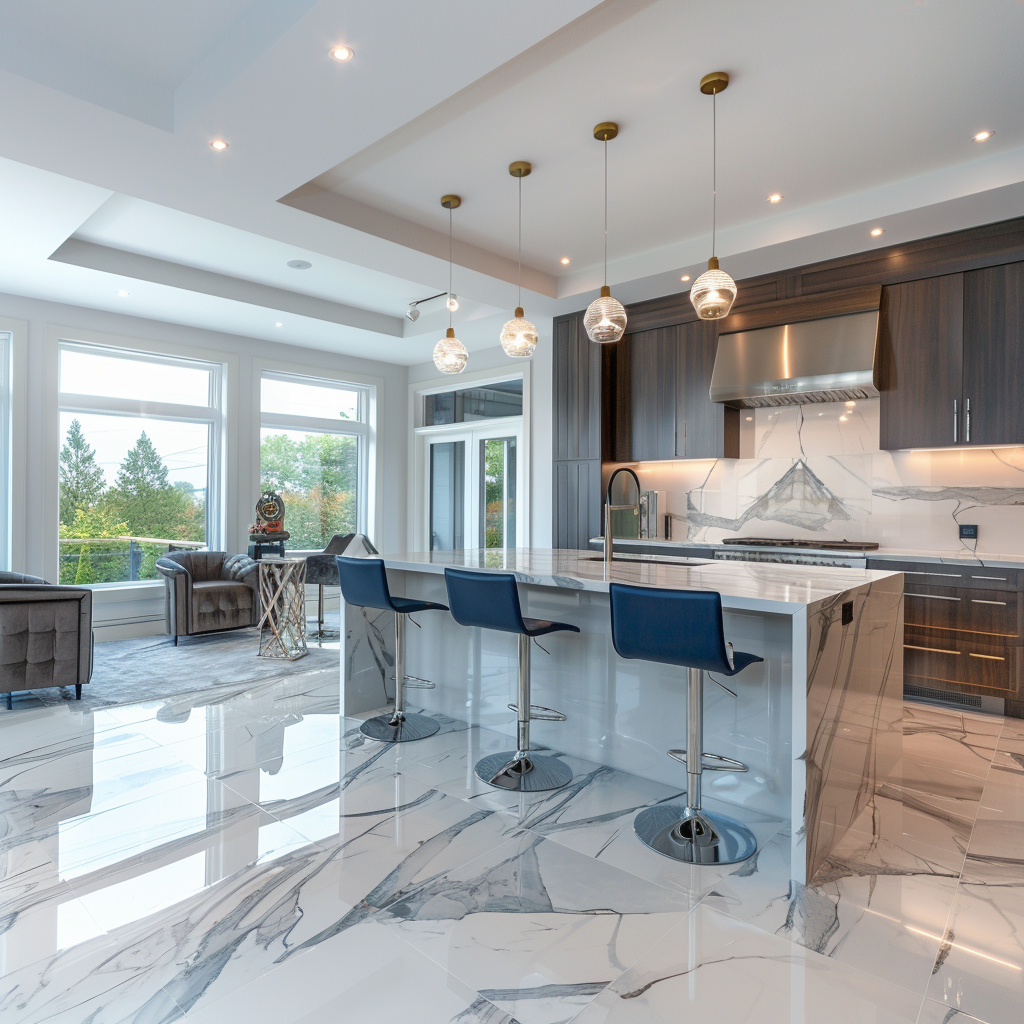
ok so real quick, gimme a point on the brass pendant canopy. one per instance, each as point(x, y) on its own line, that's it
point(716, 82)
point(451, 202)
point(520, 168)
point(606, 131)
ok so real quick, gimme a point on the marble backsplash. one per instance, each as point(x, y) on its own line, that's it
point(816, 472)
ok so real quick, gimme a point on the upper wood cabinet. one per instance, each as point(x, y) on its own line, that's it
point(920, 368)
point(576, 391)
point(951, 358)
point(662, 405)
point(993, 355)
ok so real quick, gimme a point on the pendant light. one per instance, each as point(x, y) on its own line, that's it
point(450, 355)
point(519, 336)
point(714, 292)
point(605, 320)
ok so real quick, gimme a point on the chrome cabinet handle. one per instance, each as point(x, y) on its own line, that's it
point(931, 597)
point(956, 424)
point(967, 417)
point(977, 600)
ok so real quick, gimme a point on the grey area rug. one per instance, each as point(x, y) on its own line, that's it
point(200, 670)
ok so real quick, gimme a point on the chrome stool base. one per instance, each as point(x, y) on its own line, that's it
point(409, 727)
point(694, 837)
point(541, 772)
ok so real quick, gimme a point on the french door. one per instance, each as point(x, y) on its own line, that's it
point(473, 478)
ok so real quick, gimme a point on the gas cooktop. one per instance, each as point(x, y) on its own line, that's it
point(818, 545)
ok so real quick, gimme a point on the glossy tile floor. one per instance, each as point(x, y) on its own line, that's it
point(257, 861)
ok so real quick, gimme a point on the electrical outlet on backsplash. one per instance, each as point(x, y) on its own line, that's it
point(816, 472)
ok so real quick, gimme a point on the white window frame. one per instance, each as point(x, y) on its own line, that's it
point(6, 446)
point(364, 428)
point(220, 474)
point(419, 498)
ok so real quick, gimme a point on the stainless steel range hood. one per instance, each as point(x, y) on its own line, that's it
point(827, 360)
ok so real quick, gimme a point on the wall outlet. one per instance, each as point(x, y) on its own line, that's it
point(968, 532)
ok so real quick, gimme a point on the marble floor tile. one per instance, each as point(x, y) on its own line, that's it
point(711, 967)
point(537, 929)
point(364, 976)
point(980, 965)
point(939, 1013)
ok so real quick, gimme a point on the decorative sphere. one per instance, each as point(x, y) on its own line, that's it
point(605, 320)
point(713, 293)
point(450, 355)
point(519, 336)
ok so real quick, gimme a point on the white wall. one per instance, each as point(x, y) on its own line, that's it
point(540, 420)
point(34, 542)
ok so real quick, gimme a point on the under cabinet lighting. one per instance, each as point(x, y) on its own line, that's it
point(342, 53)
point(983, 136)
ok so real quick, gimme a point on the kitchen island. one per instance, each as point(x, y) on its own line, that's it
point(818, 722)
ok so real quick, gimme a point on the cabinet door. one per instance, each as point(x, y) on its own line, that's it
point(576, 391)
point(577, 503)
point(920, 338)
point(653, 393)
point(704, 429)
point(994, 355)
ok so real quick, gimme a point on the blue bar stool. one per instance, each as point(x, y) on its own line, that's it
point(364, 582)
point(491, 601)
point(684, 627)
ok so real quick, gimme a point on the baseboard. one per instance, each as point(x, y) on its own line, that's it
point(128, 630)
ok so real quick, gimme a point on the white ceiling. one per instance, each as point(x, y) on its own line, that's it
point(859, 114)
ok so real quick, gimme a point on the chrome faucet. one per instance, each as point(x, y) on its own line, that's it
point(609, 508)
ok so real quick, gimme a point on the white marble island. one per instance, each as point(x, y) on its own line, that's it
point(818, 723)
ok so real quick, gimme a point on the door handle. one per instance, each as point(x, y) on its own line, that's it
point(956, 424)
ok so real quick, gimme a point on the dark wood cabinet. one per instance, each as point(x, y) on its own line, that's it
point(951, 358)
point(703, 429)
point(920, 363)
point(661, 397)
point(993, 355)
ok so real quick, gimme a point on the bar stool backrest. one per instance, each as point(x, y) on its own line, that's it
point(364, 582)
point(673, 627)
point(489, 600)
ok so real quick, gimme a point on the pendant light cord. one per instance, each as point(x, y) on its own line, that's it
point(520, 302)
point(714, 167)
point(606, 211)
point(449, 302)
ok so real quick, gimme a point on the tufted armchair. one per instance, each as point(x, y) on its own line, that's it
point(45, 635)
point(208, 591)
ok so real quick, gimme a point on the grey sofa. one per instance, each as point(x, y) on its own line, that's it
point(208, 591)
point(45, 635)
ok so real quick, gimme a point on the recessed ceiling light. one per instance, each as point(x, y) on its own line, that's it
point(122, 293)
point(565, 261)
point(875, 232)
point(279, 324)
point(685, 277)
point(299, 264)
point(342, 53)
point(982, 136)
point(775, 197)
point(219, 144)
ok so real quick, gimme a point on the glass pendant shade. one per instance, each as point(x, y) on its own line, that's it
point(450, 355)
point(605, 320)
point(519, 336)
point(713, 293)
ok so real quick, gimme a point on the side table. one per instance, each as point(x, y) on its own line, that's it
point(283, 600)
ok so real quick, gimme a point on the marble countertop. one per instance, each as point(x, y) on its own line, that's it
point(961, 556)
point(752, 586)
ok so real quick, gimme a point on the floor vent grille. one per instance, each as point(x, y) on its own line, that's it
point(947, 697)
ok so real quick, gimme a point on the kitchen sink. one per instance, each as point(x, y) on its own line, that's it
point(681, 561)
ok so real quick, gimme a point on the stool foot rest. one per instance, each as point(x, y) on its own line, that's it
point(541, 713)
point(694, 837)
point(399, 728)
point(530, 774)
point(713, 762)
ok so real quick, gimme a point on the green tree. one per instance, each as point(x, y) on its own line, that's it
point(142, 469)
point(81, 479)
point(279, 463)
point(93, 563)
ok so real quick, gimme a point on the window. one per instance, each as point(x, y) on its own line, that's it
point(314, 452)
point(484, 402)
point(5, 448)
point(139, 460)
